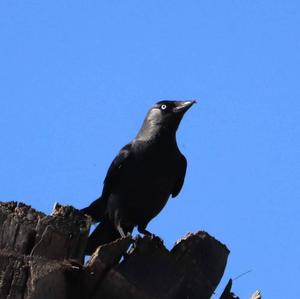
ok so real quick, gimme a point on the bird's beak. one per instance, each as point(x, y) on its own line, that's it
point(183, 106)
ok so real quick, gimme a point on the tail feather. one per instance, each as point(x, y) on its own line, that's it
point(96, 209)
point(104, 233)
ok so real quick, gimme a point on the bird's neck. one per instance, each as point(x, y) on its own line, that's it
point(160, 136)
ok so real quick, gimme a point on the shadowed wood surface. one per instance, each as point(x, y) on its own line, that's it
point(41, 256)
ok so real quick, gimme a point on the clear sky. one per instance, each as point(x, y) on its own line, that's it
point(77, 77)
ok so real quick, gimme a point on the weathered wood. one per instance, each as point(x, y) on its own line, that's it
point(14, 272)
point(227, 294)
point(104, 258)
point(202, 261)
point(192, 269)
point(60, 236)
point(40, 257)
point(31, 277)
point(31, 245)
point(18, 227)
point(256, 295)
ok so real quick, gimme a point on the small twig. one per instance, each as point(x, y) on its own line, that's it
point(244, 273)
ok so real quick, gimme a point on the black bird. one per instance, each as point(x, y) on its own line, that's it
point(142, 176)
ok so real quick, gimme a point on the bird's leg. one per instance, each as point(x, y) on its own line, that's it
point(120, 230)
point(145, 232)
point(117, 222)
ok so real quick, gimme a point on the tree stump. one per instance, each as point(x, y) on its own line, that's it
point(42, 256)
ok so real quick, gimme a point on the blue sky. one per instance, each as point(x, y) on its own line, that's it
point(78, 77)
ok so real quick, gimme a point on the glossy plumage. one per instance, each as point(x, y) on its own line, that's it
point(142, 176)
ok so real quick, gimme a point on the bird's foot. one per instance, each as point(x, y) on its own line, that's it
point(153, 237)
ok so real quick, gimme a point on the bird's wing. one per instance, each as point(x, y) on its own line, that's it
point(180, 174)
point(97, 209)
point(116, 168)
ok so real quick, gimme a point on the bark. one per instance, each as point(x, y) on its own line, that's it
point(227, 294)
point(41, 256)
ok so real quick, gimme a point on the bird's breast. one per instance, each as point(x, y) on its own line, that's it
point(150, 180)
point(146, 184)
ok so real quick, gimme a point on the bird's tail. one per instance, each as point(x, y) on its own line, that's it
point(96, 209)
point(104, 233)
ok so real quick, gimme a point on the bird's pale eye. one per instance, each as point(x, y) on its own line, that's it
point(163, 107)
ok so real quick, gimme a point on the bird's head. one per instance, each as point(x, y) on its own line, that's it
point(164, 117)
